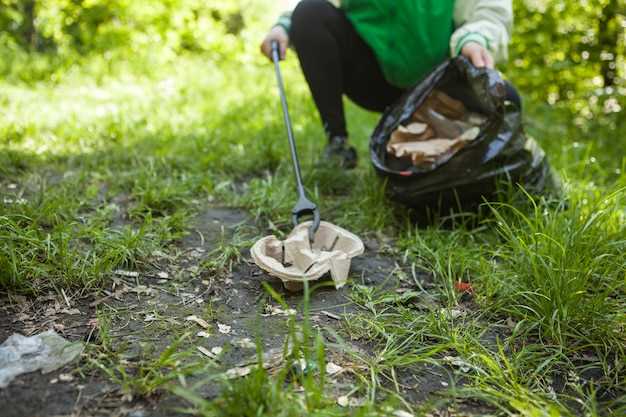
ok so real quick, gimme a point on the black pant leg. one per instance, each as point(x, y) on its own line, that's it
point(336, 61)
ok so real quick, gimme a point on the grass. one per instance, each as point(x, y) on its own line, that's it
point(117, 162)
point(151, 373)
point(563, 268)
point(226, 254)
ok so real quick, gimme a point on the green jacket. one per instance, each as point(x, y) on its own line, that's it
point(411, 37)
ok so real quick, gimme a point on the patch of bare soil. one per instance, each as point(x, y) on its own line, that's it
point(61, 392)
point(226, 313)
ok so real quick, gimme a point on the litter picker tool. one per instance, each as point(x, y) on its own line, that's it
point(304, 206)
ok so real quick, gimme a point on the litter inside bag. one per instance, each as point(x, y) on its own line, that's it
point(295, 260)
point(437, 130)
point(448, 142)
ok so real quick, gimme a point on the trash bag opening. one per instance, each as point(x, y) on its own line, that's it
point(468, 170)
point(449, 116)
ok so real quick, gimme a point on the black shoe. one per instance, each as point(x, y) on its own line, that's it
point(339, 153)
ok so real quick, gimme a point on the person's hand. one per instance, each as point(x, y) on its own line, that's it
point(278, 34)
point(478, 55)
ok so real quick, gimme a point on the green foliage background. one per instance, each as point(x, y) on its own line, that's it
point(561, 49)
point(42, 40)
point(97, 26)
point(571, 52)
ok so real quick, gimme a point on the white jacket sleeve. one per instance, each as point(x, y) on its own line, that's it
point(487, 22)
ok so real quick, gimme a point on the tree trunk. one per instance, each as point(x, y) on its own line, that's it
point(29, 29)
point(608, 34)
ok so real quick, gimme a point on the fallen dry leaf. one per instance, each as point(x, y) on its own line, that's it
point(21, 317)
point(244, 343)
point(238, 372)
point(464, 287)
point(66, 377)
point(206, 352)
point(129, 274)
point(459, 363)
point(344, 401)
point(223, 328)
point(200, 322)
point(271, 310)
point(510, 323)
point(451, 313)
point(333, 369)
point(330, 315)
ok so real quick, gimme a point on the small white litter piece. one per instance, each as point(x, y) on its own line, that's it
point(295, 260)
point(46, 351)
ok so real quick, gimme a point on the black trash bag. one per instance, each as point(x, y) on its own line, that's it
point(500, 152)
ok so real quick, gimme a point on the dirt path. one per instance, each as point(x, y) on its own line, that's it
point(146, 312)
